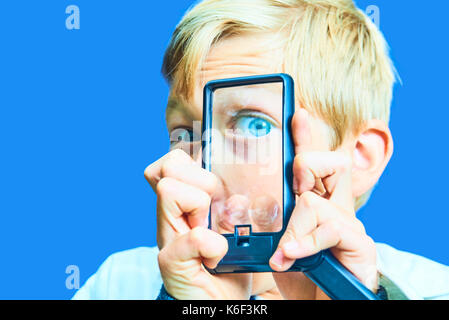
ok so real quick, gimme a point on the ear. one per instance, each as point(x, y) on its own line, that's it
point(372, 151)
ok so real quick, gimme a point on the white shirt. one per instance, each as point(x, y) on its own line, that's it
point(134, 274)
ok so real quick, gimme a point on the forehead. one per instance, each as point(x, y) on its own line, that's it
point(240, 56)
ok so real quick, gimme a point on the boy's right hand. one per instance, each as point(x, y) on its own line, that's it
point(184, 192)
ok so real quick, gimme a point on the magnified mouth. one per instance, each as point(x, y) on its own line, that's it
point(233, 212)
point(263, 213)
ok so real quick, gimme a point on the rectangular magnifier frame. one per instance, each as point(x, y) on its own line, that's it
point(251, 252)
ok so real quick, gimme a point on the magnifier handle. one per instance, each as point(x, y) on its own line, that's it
point(337, 282)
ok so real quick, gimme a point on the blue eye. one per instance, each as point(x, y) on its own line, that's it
point(254, 126)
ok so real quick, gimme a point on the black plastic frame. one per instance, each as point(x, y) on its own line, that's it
point(255, 255)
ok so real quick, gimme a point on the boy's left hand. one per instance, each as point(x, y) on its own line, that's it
point(324, 217)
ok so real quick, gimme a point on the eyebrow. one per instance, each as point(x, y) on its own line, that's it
point(176, 105)
point(183, 109)
point(172, 106)
point(256, 101)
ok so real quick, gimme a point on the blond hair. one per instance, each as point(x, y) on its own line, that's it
point(334, 52)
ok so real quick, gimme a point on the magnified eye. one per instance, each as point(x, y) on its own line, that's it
point(253, 126)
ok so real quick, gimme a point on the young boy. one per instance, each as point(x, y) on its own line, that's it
point(343, 86)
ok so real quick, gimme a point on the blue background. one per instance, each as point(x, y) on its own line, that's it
point(82, 115)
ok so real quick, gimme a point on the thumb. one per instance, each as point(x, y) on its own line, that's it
point(198, 244)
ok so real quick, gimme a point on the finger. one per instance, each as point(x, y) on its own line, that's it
point(199, 243)
point(303, 140)
point(309, 168)
point(153, 172)
point(306, 216)
point(302, 133)
point(333, 234)
point(310, 213)
point(323, 237)
point(330, 234)
point(342, 185)
point(177, 199)
point(180, 207)
point(190, 173)
point(333, 168)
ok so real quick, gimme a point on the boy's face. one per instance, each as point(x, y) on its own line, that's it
point(256, 55)
point(243, 188)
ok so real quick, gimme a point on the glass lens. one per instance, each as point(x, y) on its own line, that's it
point(246, 156)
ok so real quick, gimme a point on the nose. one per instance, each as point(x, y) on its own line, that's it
point(198, 155)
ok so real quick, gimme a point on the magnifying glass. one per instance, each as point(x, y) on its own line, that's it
point(247, 143)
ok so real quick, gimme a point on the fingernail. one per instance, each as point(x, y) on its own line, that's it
point(278, 258)
point(319, 187)
point(295, 186)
